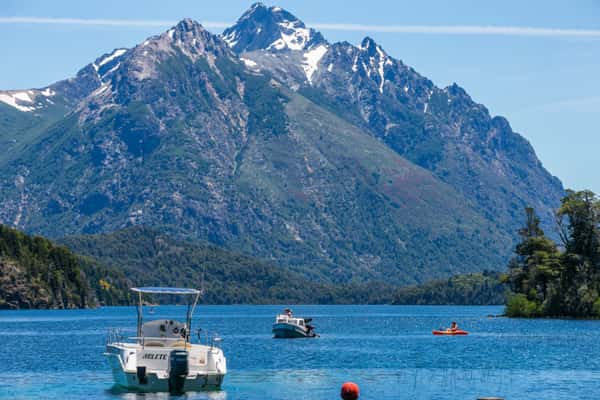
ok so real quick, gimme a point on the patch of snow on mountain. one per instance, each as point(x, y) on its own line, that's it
point(102, 88)
point(249, 63)
point(15, 100)
point(293, 36)
point(111, 70)
point(28, 100)
point(311, 60)
point(23, 96)
point(248, 13)
point(170, 33)
point(381, 76)
point(105, 90)
point(112, 56)
point(231, 38)
point(279, 44)
point(382, 59)
point(367, 70)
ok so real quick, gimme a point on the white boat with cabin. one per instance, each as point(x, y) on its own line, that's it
point(287, 326)
point(161, 357)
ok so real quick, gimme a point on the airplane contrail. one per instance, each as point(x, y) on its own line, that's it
point(412, 29)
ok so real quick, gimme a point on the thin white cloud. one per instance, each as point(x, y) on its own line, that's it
point(102, 22)
point(414, 29)
point(463, 30)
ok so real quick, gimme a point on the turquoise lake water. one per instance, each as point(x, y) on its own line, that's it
point(388, 350)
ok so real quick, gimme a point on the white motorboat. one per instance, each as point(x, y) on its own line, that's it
point(287, 326)
point(161, 357)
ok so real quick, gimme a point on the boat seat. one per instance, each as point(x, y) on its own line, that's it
point(154, 344)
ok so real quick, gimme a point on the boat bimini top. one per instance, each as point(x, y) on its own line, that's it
point(165, 290)
point(191, 306)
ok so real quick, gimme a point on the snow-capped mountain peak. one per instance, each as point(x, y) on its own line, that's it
point(373, 59)
point(271, 28)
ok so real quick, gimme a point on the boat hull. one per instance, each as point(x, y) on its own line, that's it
point(207, 368)
point(290, 331)
point(450, 333)
point(201, 382)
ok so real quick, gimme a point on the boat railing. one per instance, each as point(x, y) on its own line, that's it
point(205, 337)
point(114, 335)
point(158, 341)
point(212, 339)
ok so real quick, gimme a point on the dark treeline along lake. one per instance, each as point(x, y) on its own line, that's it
point(388, 350)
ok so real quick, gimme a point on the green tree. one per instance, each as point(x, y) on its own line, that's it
point(579, 220)
point(546, 282)
point(533, 269)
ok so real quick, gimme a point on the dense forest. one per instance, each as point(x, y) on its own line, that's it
point(35, 273)
point(150, 257)
point(92, 270)
point(551, 279)
point(483, 288)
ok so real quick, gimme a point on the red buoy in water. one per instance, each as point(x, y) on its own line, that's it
point(350, 391)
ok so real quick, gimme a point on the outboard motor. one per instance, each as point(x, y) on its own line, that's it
point(178, 370)
point(141, 375)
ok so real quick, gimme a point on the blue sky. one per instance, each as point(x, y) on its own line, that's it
point(546, 82)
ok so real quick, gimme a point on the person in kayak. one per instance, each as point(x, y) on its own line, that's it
point(452, 330)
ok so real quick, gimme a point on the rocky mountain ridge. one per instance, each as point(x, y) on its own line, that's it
point(336, 160)
point(442, 130)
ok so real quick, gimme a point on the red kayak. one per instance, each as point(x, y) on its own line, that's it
point(450, 332)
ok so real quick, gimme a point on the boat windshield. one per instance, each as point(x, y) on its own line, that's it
point(285, 319)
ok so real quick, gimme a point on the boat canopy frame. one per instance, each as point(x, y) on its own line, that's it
point(191, 306)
